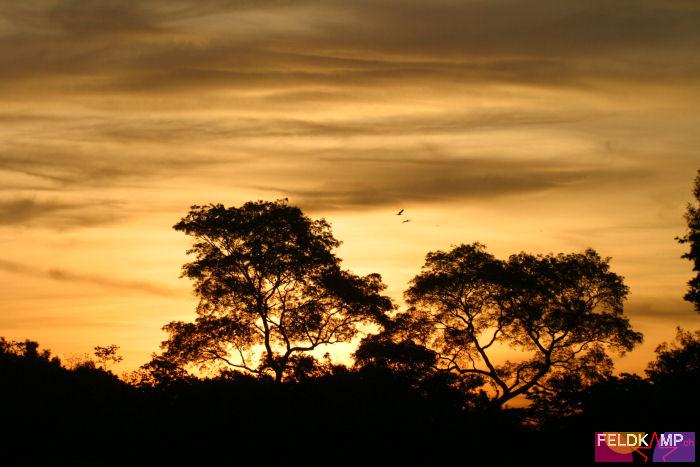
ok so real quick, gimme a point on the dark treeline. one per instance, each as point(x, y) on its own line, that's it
point(243, 383)
point(86, 415)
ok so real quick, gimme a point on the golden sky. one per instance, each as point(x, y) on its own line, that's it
point(539, 125)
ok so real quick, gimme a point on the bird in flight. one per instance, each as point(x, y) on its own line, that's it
point(407, 220)
point(399, 213)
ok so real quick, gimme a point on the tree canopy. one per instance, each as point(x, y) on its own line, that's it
point(692, 238)
point(677, 362)
point(564, 312)
point(270, 289)
point(107, 355)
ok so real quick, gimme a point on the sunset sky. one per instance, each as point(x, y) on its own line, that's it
point(539, 126)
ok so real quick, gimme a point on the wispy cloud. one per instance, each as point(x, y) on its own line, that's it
point(62, 275)
point(92, 163)
point(31, 212)
point(376, 179)
point(172, 46)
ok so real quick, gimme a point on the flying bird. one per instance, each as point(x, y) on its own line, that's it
point(407, 220)
point(399, 213)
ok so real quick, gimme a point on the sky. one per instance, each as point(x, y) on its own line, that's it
point(539, 126)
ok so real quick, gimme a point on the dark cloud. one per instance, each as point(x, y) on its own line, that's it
point(63, 275)
point(61, 164)
point(164, 131)
point(513, 28)
point(308, 52)
point(106, 17)
point(101, 152)
point(167, 46)
point(376, 181)
point(663, 310)
point(30, 212)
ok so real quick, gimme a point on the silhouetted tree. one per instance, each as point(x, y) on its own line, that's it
point(26, 350)
point(677, 363)
point(160, 372)
point(376, 351)
point(563, 312)
point(108, 355)
point(48, 406)
point(692, 237)
point(562, 394)
point(415, 365)
point(673, 377)
point(266, 277)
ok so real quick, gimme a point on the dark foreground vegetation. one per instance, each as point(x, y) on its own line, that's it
point(426, 386)
point(87, 416)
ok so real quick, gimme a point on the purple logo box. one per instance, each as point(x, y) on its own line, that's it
point(670, 446)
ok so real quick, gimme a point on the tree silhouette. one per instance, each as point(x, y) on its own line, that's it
point(107, 355)
point(563, 312)
point(399, 357)
point(581, 403)
point(27, 350)
point(269, 287)
point(160, 372)
point(561, 394)
point(677, 363)
point(692, 237)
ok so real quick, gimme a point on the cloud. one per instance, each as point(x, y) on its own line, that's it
point(108, 17)
point(381, 180)
point(55, 214)
point(211, 130)
point(101, 152)
point(254, 56)
point(663, 309)
point(93, 162)
point(122, 46)
point(62, 275)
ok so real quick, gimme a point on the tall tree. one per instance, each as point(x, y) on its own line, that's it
point(563, 312)
point(270, 289)
point(692, 237)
